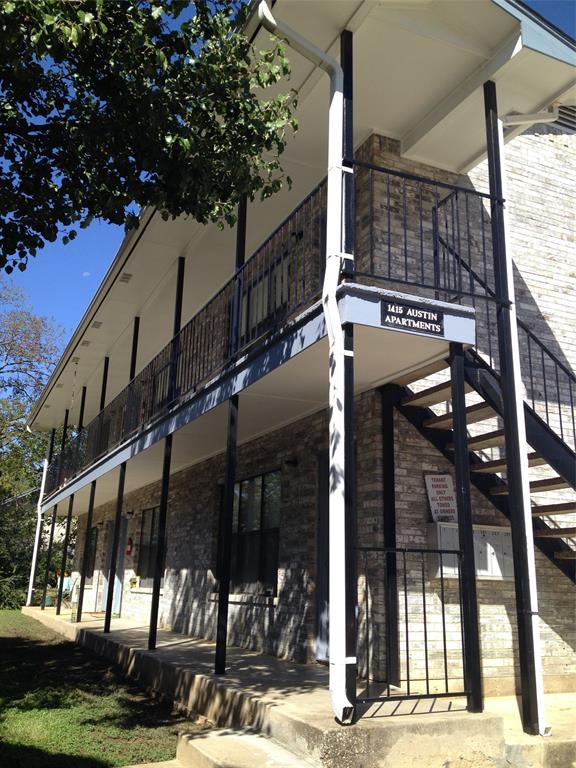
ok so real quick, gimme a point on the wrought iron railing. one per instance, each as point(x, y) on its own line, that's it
point(400, 241)
point(550, 384)
point(411, 643)
point(282, 276)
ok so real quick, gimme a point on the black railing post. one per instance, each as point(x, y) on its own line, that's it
point(63, 446)
point(388, 399)
point(64, 554)
point(515, 435)
point(114, 552)
point(85, 554)
point(472, 668)
point(165, 485)
point(226, 516)
point(49, 557)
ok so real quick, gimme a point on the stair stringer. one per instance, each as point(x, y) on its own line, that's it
point(440, 439)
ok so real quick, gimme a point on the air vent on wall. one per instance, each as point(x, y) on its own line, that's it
point(567, 119)
point(85, 343)
point(96, 324)
point(125, 277)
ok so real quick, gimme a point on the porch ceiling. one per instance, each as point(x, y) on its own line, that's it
point(294, 390)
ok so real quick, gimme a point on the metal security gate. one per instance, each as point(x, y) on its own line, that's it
point(410, 628)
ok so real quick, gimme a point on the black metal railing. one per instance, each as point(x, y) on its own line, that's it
point(409, 218)
point(283, 275)
point(549, 383)
point(410, 639)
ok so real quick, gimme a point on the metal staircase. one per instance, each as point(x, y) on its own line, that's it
point(552, 534)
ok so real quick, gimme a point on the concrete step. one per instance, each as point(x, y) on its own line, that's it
point(230, 748)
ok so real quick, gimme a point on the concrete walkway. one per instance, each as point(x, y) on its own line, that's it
point(290, 703)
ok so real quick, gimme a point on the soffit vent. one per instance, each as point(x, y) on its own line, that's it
point(85, 343)
point(59, 385)
point(567, 119)
point(75, 360)
point(96, 324)
point(125, 277)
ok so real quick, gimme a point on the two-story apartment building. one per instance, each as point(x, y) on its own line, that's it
point(354, 411)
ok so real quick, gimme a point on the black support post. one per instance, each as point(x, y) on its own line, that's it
point(165, 486)
point(49, 557)
point(388, 400)
point(104, 383)
point(82, 408)
point(115, 543)
point(65, 544)
point(225, 531)
point(225, 542)
point(121, 481)
point(515, 434)
point(472, 668)
point(134, 350)
point(85, 554)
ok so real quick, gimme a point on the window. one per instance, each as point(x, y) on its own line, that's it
point(91, 545)
point(148, 547)
point(256, 520)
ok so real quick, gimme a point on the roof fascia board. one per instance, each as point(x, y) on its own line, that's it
point(127, 246)
point(539, 35)
point(502, 55)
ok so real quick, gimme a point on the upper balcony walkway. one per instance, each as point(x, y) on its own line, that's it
point(414, 235)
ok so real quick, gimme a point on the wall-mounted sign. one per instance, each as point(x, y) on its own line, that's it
point(405, 317)
point(442, 498)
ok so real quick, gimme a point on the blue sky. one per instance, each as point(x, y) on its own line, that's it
point(61, 280)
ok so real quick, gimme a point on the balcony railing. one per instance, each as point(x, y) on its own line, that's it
point(283, 276)
point(414, 234)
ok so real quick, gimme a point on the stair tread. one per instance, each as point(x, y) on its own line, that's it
point(565, 555)
point(221, 748)
point(499, 465)
point(563, 507)
point(486, 440)
point(556, 533)
point(474, 413)
point(536, 486)
point(433, 395)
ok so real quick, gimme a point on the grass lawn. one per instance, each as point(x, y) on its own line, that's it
point(63, 707)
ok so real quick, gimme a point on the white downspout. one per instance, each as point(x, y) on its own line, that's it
point(342, 706)
point(37, 535)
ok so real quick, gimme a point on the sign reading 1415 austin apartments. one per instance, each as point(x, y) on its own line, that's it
point(409, 318)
